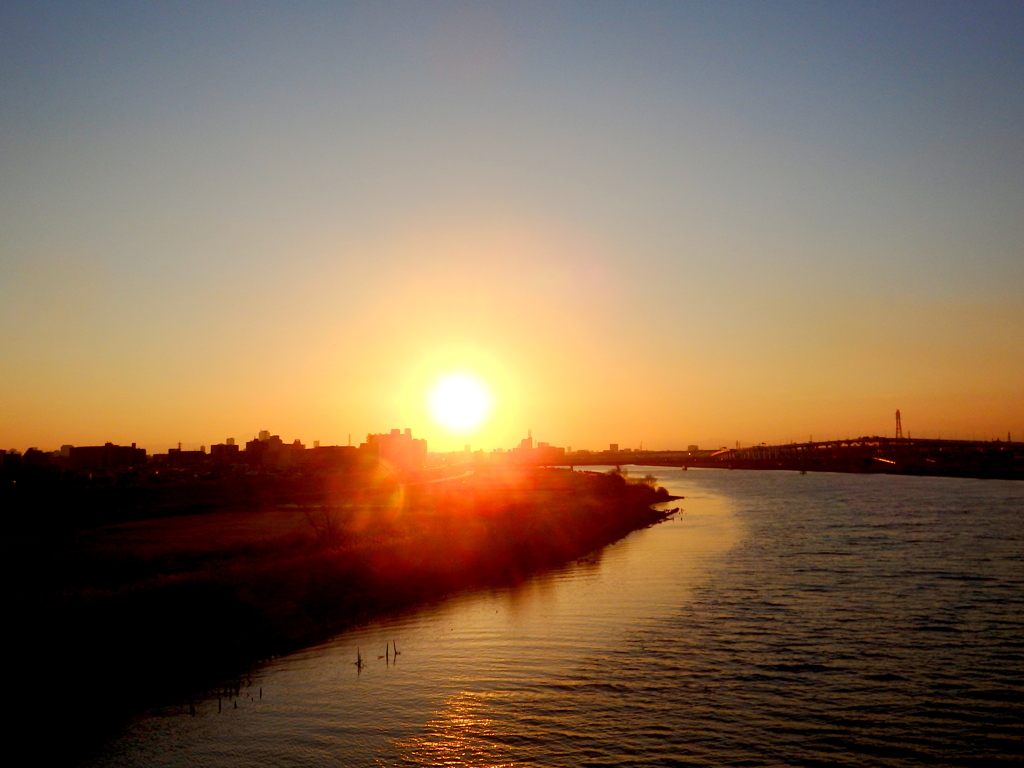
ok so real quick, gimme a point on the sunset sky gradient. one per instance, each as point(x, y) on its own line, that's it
point(666, 223)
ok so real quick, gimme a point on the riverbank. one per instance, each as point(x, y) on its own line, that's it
point(141, 613)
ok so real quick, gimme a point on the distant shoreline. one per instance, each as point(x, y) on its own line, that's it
point(994, 459)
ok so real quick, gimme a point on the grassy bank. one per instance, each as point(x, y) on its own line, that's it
point(150, 611)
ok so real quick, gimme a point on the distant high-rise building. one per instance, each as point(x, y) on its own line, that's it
point(225, 453)
point(540, 454)
point(399, 449)
point(268, 450)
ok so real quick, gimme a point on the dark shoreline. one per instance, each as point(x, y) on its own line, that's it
point(122, 631)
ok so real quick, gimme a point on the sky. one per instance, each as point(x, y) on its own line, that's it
point(642, 223)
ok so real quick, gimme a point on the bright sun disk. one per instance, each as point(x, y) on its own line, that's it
point(460, 402)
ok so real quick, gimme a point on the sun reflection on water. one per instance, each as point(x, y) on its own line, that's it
point(459, 734)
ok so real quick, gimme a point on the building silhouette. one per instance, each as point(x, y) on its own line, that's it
point(107, 457)
point(397, 448)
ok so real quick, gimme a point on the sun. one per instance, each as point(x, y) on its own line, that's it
point(460, 402)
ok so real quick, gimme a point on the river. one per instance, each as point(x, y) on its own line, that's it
point(776, 619)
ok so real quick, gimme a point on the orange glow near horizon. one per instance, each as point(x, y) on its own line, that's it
point(456, 392)
point(615, 261)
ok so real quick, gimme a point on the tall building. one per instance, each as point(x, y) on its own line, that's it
point(271, 451)
point(540, 454)
point(225, 453)
point(399, 449)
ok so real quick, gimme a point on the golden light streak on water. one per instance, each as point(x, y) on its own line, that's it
point(460, 733)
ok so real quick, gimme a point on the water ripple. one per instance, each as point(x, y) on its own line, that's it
point(781, 620)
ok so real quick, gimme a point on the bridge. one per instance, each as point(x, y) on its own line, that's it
point(904, 456)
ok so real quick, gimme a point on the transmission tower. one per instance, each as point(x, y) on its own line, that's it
point(899, 425)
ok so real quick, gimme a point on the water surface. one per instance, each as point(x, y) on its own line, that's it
point(778, 619)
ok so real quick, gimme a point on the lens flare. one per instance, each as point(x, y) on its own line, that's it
point(460, 402)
